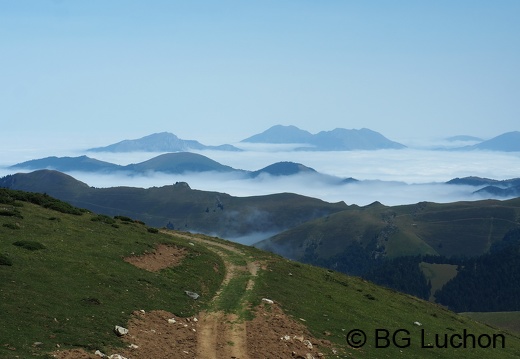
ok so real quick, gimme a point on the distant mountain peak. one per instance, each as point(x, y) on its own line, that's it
point(281, 134)
point(506, 142)
point(284, 168)
point(338, 139)
point(159, 142)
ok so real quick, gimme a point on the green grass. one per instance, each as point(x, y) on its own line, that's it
point(504, 320)
point(334, 303)
point(74, 291)
point(438, 274)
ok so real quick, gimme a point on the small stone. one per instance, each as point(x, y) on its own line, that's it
point(192, 295)
point(172, 321)
point(299, 338)
point(120, 331)
point(268, 301)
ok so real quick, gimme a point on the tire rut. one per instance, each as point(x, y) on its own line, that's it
point(220, 334)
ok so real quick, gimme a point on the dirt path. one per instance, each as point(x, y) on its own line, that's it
point(224, 335)
point(214, 333)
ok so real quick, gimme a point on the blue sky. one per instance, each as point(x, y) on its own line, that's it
point(95, 72)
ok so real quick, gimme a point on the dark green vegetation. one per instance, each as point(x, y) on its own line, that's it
point(75, 290)
point(179, 207)
point(331, 304)
point(507, 320)
point(63, 279)
point(489, 282)
point(387, 244)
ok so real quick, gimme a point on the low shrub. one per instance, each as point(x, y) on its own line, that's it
point(11, 225)
point(29, 245)
point(103, 218)
point(5, 260)
point(124, 218)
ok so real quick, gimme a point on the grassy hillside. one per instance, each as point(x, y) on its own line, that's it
point(63, 281)
point(453, 229)
point(438, 275)
point(76, 287)
point(505, 320)
point(180, 207)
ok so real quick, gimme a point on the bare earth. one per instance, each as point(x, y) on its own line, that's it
point(213, 334)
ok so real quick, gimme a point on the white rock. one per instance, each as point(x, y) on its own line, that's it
point(298, 337)
point(308, 344)
point(116, 356)
point(195, 320)
point(98, 353)
point(120, 331)
point(268, 301)
point(192, 295)
point(417, 323)
point(133, 346)
point(172, 321)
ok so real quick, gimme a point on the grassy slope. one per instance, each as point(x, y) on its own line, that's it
point(332, 304)
point(82, 265)
point(438, 274)
point(506, 320)
point(187, 209)
point(76, 290)
point(461, 228)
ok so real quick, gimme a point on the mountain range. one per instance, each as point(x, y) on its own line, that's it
point(186, 162)
point(395, 246)
point(498, 188)
point(79, 278)
point(507, 142)
point(339, 139)
point(180, 207)
point(423, 228)
point(172, 163)
point(160, 142)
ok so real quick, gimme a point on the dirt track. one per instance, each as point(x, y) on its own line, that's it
point(212, 334)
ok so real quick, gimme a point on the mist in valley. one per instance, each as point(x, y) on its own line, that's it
point(391, 177)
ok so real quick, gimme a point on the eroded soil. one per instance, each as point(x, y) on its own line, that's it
point(212, 334)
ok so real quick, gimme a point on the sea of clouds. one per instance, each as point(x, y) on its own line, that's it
point(391, 177)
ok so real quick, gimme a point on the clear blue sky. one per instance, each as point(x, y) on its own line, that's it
point(220, 71)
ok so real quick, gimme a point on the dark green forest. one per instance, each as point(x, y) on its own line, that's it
point(489, 282)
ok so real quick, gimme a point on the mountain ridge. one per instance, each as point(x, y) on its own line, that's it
point(339, 139)
point(180, 207)
point(81, 277)
point(159, 142)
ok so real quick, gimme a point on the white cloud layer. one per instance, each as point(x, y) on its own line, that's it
point(391, 177)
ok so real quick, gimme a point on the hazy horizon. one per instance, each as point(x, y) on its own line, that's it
point(82, 74)
point(98, 71)
point(391, 177)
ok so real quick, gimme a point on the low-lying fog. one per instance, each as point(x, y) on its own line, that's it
point(388, 176)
